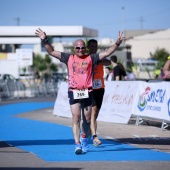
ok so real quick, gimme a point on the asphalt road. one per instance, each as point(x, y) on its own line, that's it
point(148, 135)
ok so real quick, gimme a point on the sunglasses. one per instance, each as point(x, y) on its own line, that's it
point(78, 48)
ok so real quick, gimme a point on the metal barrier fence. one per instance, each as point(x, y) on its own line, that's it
point(24, 88)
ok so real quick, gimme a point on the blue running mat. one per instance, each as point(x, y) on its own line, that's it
point(52, 142)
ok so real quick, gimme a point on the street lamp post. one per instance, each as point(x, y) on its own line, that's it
point(123, 18)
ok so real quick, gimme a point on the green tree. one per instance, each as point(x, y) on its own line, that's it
point(43, 67)
point(161, 56)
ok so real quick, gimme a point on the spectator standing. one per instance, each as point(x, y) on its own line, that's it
point(109, 75)
point(118, 69)
point(130, 75)
point(166, 69)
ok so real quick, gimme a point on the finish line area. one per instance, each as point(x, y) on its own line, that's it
point(54, 143)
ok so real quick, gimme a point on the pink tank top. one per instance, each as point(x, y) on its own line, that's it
point(80, 72)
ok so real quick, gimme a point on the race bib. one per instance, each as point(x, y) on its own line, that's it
point(80, 94)
point(97, 84)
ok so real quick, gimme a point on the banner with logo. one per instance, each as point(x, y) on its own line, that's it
point(167, 84)
point(151, 100)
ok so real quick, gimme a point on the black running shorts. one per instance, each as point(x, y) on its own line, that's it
point(98, 97)
point(86, 101)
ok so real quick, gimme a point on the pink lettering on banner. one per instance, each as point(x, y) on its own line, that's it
point(125, 98)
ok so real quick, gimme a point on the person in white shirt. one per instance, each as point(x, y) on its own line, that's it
point(109, 75)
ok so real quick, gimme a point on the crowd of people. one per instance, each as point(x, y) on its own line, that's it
point(116, 71)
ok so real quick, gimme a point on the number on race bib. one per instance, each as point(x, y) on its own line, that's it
point(80, 94)
point(97, 84)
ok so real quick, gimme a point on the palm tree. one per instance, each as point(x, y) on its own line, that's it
point(43, 67)
point(161, 56)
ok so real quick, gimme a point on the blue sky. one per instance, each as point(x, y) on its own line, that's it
point(108, 16)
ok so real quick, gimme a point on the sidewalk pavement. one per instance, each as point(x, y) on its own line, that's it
point(148, 135)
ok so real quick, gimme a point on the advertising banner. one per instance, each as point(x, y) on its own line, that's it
point(61, 106)
point(3, 56)
point(151, 100)
point(118, 101)
point(167, 85)
point(24, 57)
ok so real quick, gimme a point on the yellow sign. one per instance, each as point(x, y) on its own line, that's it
point(3, 56)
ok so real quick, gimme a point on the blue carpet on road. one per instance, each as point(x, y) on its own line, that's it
point(53, 142)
